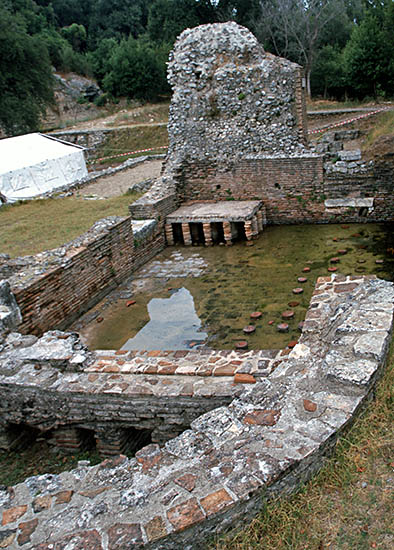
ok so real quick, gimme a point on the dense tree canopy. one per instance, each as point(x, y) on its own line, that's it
point(345, 46)
point(25, 76)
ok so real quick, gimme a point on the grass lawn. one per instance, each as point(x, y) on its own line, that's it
point(34, 226)
point(349, 504)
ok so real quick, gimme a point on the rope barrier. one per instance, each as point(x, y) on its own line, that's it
point(323, 129)
point(343, 122)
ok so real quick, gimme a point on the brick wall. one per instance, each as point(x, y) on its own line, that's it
point(293, 189)
point(290, 188)
point(56, 298)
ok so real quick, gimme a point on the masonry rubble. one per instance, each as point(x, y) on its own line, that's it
point(271, 437)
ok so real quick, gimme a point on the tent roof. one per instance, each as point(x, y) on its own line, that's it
point(22, 151)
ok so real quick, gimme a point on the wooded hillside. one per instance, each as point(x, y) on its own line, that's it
point(346, 46)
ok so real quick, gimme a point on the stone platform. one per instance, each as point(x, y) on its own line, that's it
point(208, 222)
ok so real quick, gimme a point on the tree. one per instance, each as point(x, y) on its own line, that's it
point(117, 19)
point(76, 36)
point(168, 18)
point(244, 12)
point(25, 77)
point(328, 76)
point(369, 56)
point(137, 70)
point(295, 28)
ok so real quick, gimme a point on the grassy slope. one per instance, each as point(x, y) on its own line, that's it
point(129, 139)
point(31, 227)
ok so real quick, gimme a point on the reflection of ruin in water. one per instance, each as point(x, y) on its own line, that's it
point(173, 324)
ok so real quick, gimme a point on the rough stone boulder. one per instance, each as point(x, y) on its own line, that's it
point(230, 97)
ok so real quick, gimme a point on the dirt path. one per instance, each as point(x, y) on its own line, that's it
point(119, 183)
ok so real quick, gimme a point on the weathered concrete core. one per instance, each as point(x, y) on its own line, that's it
point(215, 222)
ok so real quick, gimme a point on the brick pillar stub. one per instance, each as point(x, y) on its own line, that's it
point(187, 238)
point(207, 234)
point(227, 233)
point(169, 234)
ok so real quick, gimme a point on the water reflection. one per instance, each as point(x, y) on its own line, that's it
point(173, 325)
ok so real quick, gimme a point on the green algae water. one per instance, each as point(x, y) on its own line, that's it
point(194, 297)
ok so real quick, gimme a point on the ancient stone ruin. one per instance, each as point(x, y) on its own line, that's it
point(225, 427)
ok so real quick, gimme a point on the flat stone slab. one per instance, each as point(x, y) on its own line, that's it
point(349, 203)
point(204, 212)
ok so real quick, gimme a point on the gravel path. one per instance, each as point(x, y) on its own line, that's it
point(119, 183)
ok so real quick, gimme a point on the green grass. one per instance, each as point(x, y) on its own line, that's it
point(349, 504)
point(39, 458)
point(151, 112)
point(34, 226)
point(383, 126)
point(133, 139)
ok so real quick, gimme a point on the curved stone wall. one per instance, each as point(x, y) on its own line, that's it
point(269, 439)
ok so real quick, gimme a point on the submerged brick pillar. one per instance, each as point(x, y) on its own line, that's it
point(187, 238)
point(248, 230)
point(207, 234)
point(227, 233)
point(169, 234)
point(260, 221)
point(255, 227)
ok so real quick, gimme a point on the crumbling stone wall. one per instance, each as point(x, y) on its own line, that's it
point(237, 131)
point(231, 98)
point(270, 439)
point(237, 121)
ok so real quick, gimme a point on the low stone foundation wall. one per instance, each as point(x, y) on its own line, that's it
point(267, 441)
point(54, 288)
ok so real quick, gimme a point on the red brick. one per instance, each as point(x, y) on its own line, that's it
point(225, 370)
point(266, 417)
point(187, 481)
point(13, 514)
point(26, 529)
point(85, 540)
point(186, 514)
point(215, 502)
point(149, 456)
point(125, 535)
point(155, 529)
point(309, 406)
point(62, 497)
point(244, 379)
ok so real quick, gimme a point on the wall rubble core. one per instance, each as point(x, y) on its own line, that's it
point(270, 438)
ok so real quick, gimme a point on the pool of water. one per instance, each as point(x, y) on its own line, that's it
point(191, 297)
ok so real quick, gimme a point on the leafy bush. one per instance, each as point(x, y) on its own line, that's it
point(136, 70)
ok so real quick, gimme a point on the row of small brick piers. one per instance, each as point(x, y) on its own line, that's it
point(231, 230)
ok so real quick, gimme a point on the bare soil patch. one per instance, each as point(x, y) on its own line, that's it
point(119, 183)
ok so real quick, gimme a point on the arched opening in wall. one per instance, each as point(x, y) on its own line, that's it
point(17, 437)
point(136, 439)
point(363, 212)
point(87, 439)
point(217, 232)
point(238, 231)
point(197, 233)
point(177, 233)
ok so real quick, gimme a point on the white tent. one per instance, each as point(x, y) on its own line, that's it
point(34, 164)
